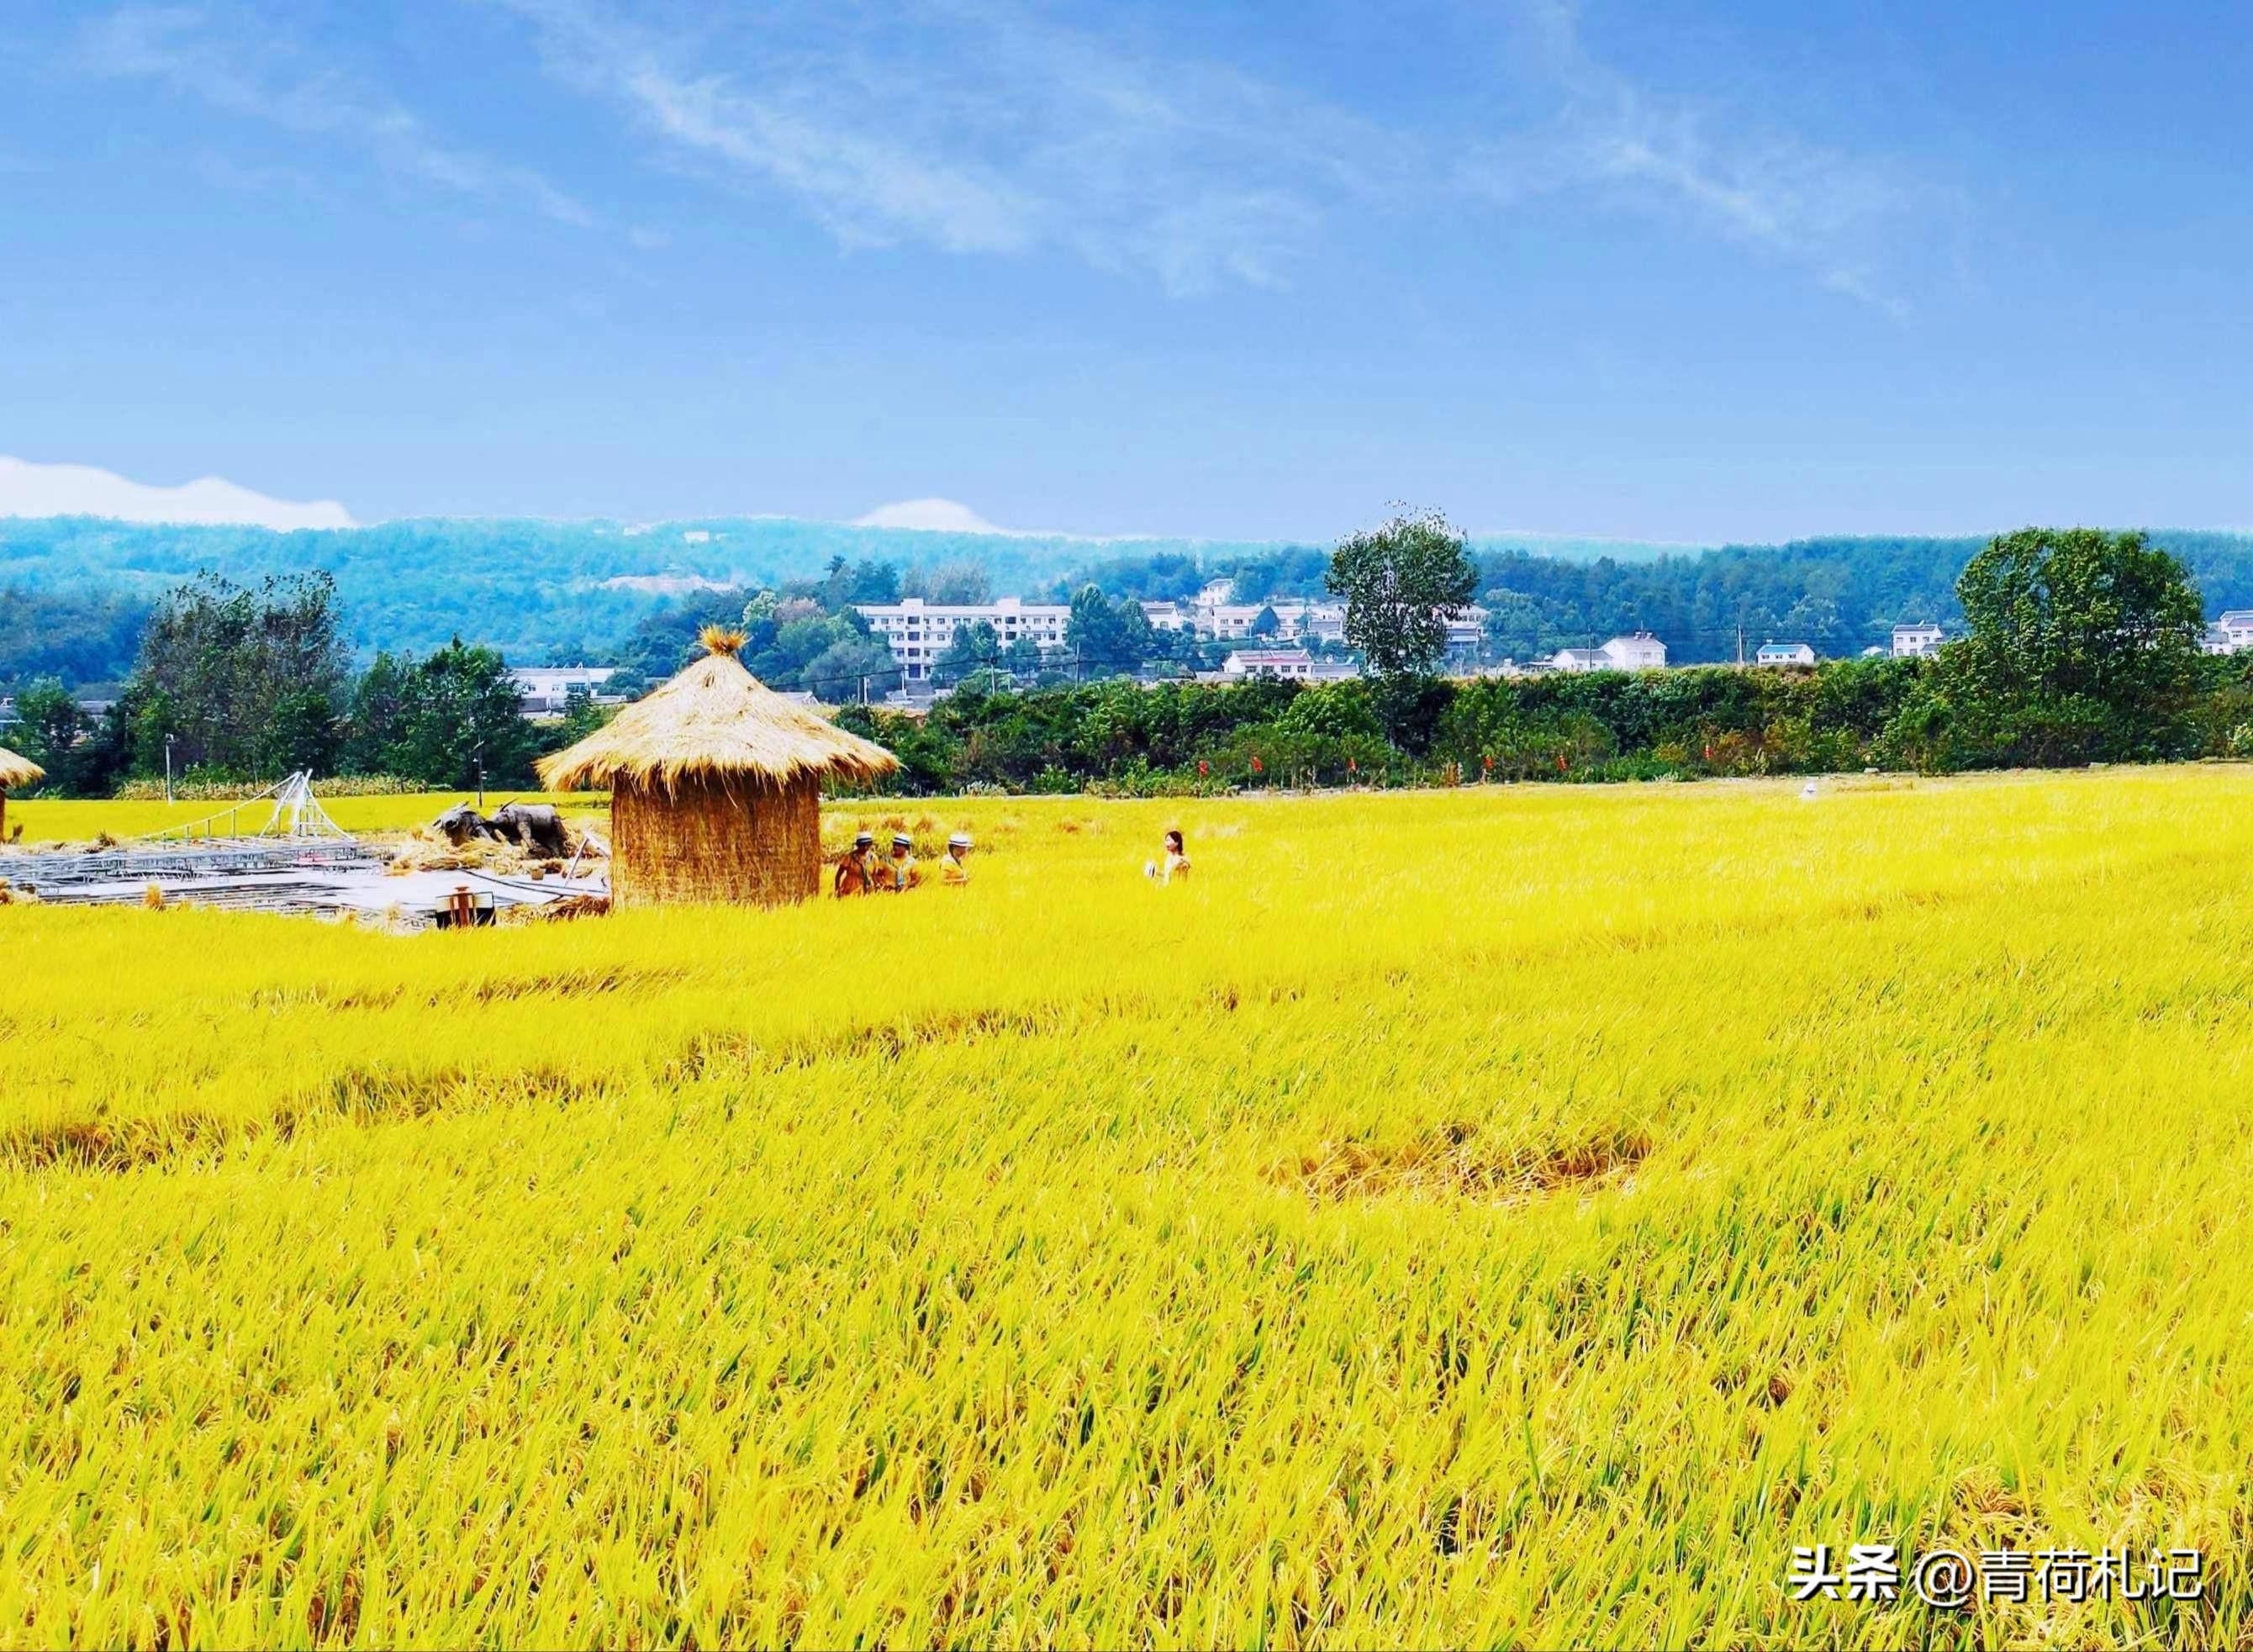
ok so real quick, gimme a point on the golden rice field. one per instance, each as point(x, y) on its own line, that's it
point(1503, 1217)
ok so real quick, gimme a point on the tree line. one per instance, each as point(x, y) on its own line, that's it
point(75, 593)
point(236, 685)
point(2080, 646)
point(1841, 596)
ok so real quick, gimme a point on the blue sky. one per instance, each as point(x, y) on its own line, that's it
point(1611, 269)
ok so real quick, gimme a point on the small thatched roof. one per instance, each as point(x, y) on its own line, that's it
point(713, 721)
point(18, 771)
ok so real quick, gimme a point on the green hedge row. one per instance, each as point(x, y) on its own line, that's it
point(1178, 738)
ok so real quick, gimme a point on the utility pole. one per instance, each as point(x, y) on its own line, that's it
point(478, 757)
point(1740, 645)
point(864, 691)
point(168, 768)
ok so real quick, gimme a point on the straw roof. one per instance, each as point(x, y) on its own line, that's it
point(18, 771)
point(715, 721)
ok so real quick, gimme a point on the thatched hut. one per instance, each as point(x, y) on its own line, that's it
point(715, 786)
point(14, 772)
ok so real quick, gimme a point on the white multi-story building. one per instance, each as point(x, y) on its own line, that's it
point(918, 633)
point(2232, 633)
point(545, 691)
point(1466, 629)
point(1916, 642)
point(1784, 654)
point(1296, 620)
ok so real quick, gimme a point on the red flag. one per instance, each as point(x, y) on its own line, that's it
point(1488, 760)
point(1256, 768)
point(1560, 763)
point(1709, 753)
point(1204, 768)
point(1351, 767)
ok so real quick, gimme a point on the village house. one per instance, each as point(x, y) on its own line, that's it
point(2232, 633)
point(545, 691)
point(1784, 654)
point(1293, 664)
point(1637, 650)
point(1580, 660)
point(1916, 641)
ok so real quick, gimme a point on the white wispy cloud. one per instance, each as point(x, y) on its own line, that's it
point(1833, 212)
point(996, 127)
point(982, 127)
point(255, 72)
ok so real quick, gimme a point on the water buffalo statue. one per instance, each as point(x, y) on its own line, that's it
point(462, 824)
point(537, 827)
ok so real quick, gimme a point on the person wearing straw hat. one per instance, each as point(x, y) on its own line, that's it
point(857, 872)
point(952, 873)
point(902, 872)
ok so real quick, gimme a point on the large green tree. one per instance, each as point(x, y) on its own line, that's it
point(48, 723)
point(973, 648)
point(959, 583)
point(438, 720)
point(2082, 612)
point(2082, 644)
point(1108, 638)
point(1399, 582)
point(248, 682)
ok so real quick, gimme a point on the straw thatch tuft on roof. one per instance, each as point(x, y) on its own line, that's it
point(18, 771)
point(715, 786)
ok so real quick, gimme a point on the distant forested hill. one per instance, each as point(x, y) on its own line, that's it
point(73, 590)
point(538, 589)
